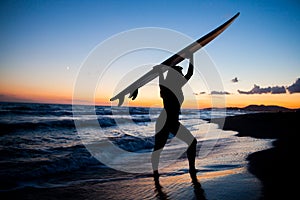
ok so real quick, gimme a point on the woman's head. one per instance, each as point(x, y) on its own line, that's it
point(174, 74)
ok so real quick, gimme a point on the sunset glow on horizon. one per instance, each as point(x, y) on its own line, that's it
point(203, 101)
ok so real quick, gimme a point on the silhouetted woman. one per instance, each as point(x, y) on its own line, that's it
point(168, 120)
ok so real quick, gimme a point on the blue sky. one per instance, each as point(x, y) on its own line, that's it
point(43, 41)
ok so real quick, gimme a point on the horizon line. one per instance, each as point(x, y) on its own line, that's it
point(205, 108)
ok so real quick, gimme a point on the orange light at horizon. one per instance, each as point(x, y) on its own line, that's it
point(236, 100)
point(285, 100)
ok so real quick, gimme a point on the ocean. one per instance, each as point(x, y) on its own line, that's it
point(52, 145)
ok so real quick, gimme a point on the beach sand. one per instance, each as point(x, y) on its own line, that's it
point(227, 185)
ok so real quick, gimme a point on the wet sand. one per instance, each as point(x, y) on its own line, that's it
point(275, 167)
point(227, 185)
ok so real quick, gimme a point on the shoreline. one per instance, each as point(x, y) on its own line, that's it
point(274, 167)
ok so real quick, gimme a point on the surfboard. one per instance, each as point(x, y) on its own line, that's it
point(132, 89)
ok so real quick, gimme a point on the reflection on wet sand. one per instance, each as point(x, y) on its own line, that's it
point(198, 190)
point(160, 194)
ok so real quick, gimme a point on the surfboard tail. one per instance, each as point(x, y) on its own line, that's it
point(120, 98)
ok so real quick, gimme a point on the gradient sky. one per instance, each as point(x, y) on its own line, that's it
point(44, 43)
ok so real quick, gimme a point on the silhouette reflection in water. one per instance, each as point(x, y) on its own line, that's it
point(160, 194)
point(198, 190)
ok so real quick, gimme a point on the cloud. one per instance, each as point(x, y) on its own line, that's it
point(258, 90)
point(219, 93)
point(235, 80)
point(278, 90)
point(194, 93)
point(295, 87)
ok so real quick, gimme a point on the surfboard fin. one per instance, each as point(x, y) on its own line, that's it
point(134, 94)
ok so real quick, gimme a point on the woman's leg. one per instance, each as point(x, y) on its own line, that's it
point(161, 137)
point(185, 135)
